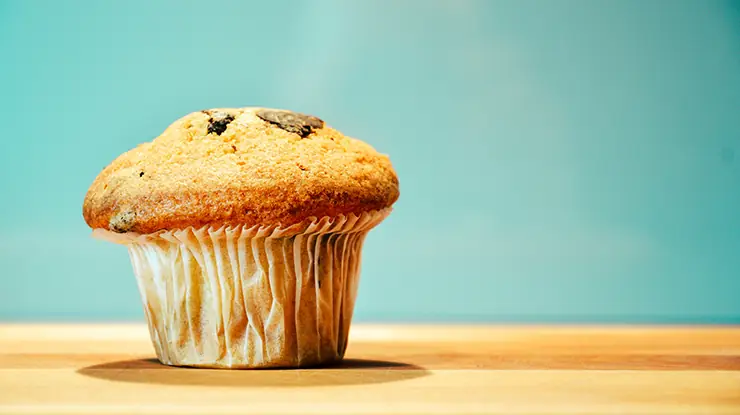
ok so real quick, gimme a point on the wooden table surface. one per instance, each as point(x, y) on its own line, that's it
point(109, 369)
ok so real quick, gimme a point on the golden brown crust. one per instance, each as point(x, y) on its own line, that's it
point(210, 169)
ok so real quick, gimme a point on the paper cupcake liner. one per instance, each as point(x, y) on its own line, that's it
point(238, 297)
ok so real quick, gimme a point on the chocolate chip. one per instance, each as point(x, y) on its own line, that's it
point(218, 122)
point(141, 174)
point(292, 122)
point(122, 221)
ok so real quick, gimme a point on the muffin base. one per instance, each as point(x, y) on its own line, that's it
point(257, 297)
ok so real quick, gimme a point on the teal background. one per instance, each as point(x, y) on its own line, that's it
point(559, 160)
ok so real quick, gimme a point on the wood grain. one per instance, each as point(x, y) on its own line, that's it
point(109, 369)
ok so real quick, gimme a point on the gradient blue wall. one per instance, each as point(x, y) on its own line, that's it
point(559, 160)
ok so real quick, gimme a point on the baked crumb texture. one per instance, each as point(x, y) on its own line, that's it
point(236, 167)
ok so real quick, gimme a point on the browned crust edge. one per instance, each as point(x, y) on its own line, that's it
point(155, 212)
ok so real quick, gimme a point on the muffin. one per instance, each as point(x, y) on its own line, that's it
point(245, 228)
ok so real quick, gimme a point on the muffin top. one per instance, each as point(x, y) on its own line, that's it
point(239, 166)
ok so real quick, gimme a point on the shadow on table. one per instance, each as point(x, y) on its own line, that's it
point(347, 372)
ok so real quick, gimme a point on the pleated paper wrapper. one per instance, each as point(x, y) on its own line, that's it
point(238, 297)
